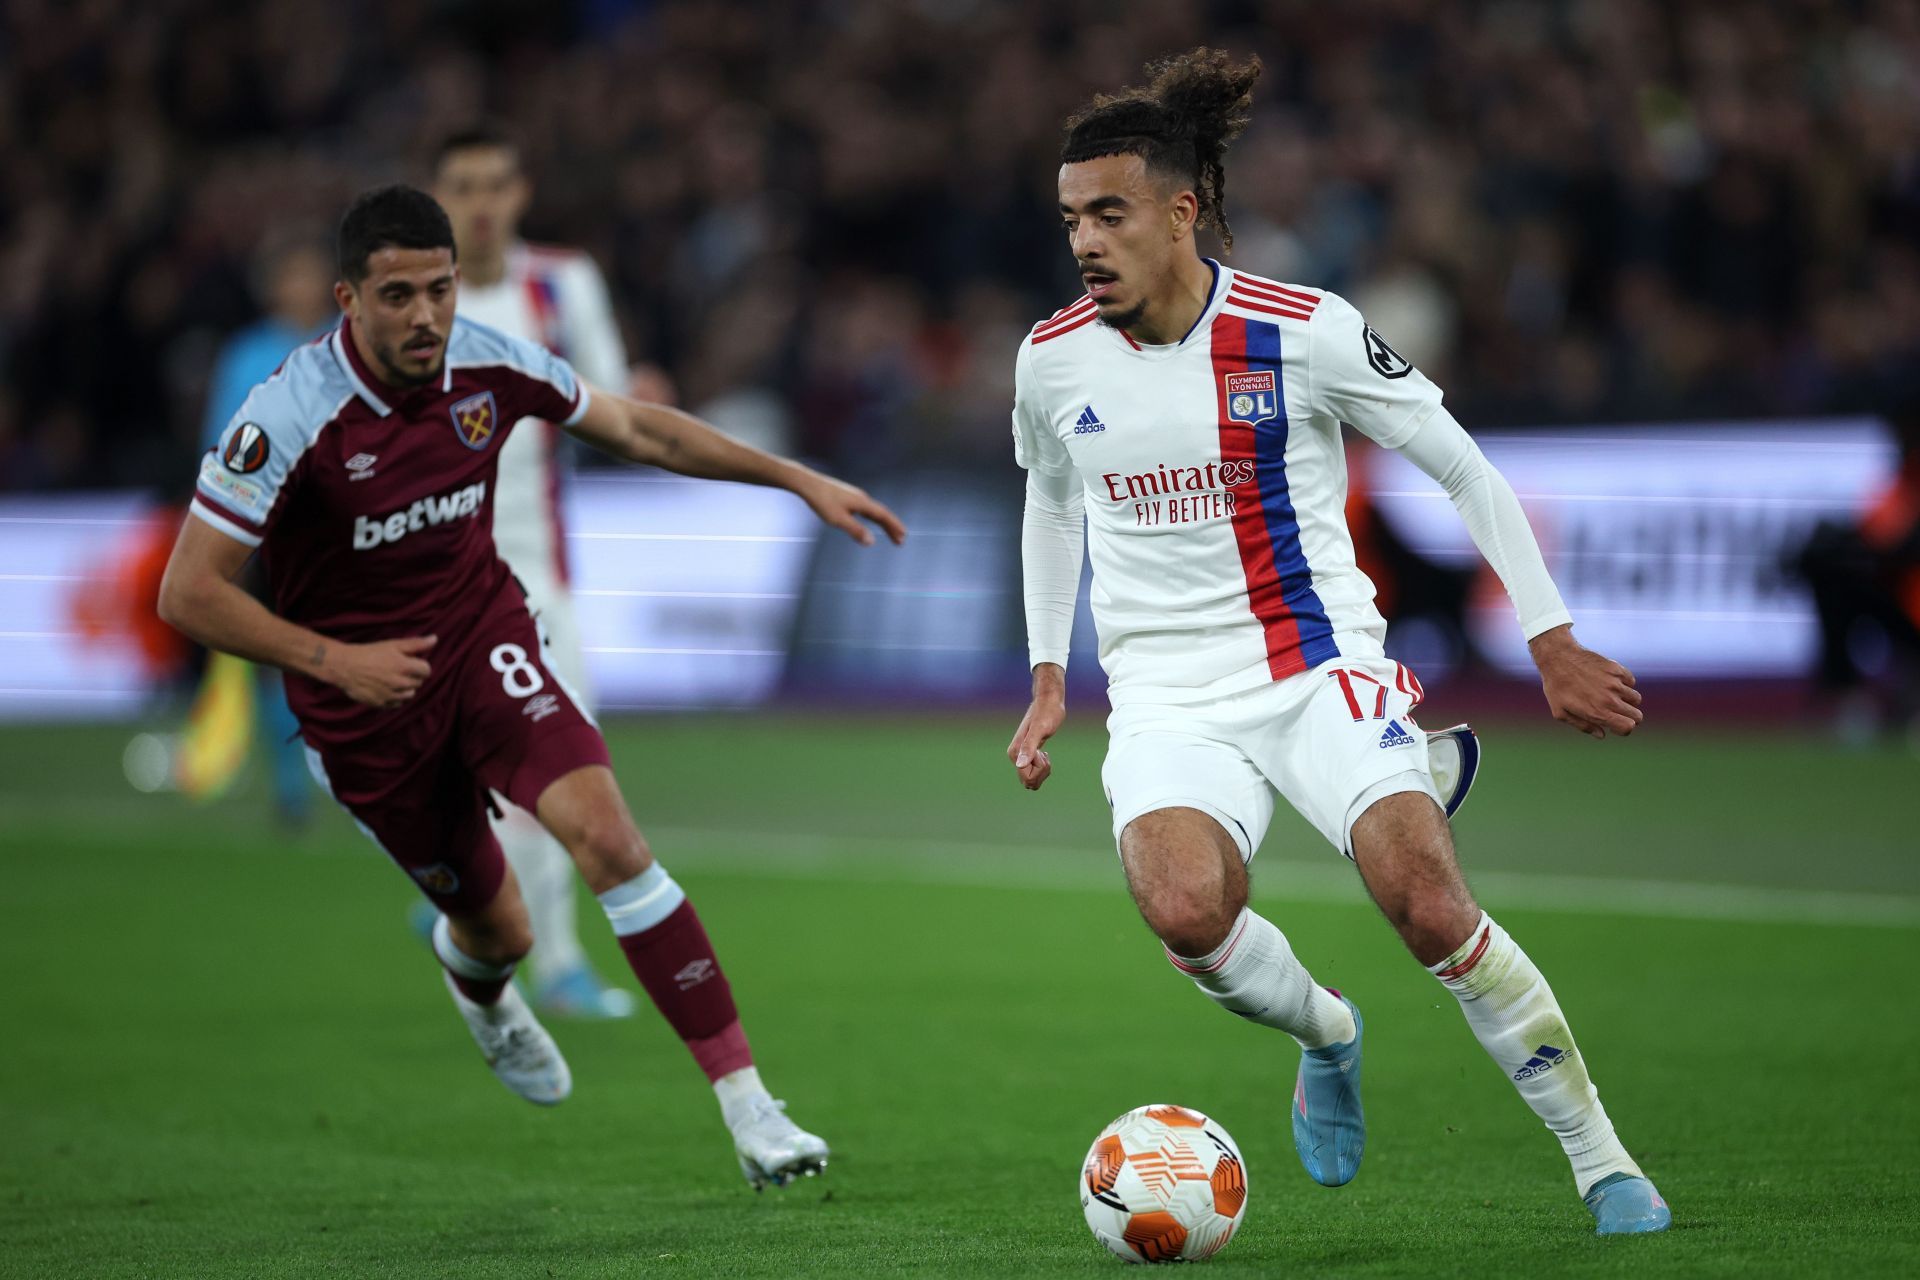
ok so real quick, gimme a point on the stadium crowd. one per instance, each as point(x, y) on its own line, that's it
point(830, 222)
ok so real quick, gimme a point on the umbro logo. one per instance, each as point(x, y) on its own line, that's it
point(1088, 422)
point(693, 973)
point(360, 466)
point(540, 706)
point(1395, 736)
point(1545, 1058)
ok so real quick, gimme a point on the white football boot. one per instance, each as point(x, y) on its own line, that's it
point(515, 1045)
point(773, 1150)
point(1453, 760)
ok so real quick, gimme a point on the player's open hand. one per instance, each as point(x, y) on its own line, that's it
point(1045, 715)
point(385, 673)
point(843, 506)
point(1587, 690)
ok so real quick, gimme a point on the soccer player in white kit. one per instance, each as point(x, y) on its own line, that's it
point(557, 298)
point(1184, 419)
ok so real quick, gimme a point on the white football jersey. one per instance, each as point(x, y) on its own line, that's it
point(557, 298)
point(1215, 480)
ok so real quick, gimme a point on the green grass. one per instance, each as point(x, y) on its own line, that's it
point(221, 1053)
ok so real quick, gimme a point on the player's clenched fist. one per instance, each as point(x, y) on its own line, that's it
point(385, 673)
point(1044, 717)
point(1587, 690)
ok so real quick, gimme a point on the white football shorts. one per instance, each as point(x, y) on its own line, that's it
point(1332, 740)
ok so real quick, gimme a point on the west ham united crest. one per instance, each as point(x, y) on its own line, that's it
point(1252, 397)
point(474, 419)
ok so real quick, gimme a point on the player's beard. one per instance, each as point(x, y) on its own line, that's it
point(1125, 318)
point(396, 374)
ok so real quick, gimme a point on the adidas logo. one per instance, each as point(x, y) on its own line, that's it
point(1088, 422)
point(1544, 1059)
point(1395, 736)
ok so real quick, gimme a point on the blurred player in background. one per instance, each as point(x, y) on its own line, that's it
point(1864, 576)
point(363, 471)
point(1189, 415)
point(556, 298)
point(292, 280)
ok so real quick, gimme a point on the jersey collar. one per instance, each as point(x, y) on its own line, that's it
point(364, 380)
point(1215, 297)
point(358, 374)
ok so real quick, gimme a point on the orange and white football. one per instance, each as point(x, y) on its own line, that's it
point(1164, 1184)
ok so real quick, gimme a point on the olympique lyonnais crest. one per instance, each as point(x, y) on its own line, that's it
point(473, 420)
point(1252, 397)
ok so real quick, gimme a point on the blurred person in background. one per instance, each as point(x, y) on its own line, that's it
point(1865, 582)
point(554, 297)
point(292, 281)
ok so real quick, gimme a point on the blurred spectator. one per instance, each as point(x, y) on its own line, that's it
point(1865, 580)
point(293, 279)
point(1573, 209)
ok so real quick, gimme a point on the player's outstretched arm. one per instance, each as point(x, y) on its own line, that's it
point(659, 436)
point(1584, 689)
point(199, 597)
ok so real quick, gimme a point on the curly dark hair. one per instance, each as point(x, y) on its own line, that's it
point(1193, 105)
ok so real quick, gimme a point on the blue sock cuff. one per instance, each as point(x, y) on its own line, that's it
point(642, 902)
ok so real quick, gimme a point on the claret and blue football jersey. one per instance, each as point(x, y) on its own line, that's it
point(372, 504)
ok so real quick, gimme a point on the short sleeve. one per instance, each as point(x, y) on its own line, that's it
point(1035, 446)
point(1355, 377)
point(242, 476)
point(542, 386)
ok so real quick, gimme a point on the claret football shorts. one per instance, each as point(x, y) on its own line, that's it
point(503, 722)
point(1332, 740)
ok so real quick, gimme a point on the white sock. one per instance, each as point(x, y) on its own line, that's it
point(462, 965)
point(1254, 974)
point(1518, 1022)
point(546, 877)
point(737, 1092)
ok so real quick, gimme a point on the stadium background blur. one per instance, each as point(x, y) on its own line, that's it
point(837, 216)
point(1666, 256)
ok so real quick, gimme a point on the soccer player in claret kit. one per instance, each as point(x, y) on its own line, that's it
point(556, 298)
point(364, 472)
point(1184, 419)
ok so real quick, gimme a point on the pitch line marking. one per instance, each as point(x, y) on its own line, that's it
point(987, 865)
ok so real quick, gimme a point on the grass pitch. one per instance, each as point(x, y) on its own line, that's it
point(224, 1055)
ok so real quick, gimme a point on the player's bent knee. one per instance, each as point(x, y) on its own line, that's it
point(499, 933)
point(1190, 924)
point(609, 850)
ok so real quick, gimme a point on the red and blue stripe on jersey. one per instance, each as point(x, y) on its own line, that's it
point(1279, 582)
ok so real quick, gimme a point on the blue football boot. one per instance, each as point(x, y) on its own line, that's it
point(578, 993)
point(1624, 1204)
point(421, 917)
point(1453, 760)
point(1329, 1128)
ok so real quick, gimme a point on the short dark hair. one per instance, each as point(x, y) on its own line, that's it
point(481, 135)
point(1193, 105)
point(391, 217)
